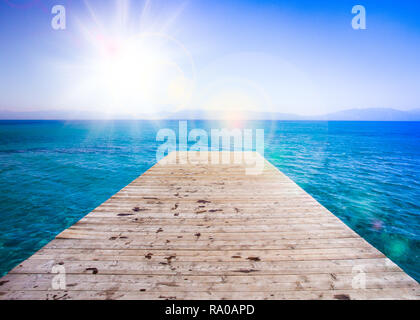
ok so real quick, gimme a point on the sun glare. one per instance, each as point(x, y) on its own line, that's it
point(128, 71)
point(134, 73)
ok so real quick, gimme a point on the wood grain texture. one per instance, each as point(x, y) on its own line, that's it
point(208, 230)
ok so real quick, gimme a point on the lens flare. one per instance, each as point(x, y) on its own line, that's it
point(397, 248)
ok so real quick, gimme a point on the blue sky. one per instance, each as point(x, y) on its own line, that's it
point(279, 56)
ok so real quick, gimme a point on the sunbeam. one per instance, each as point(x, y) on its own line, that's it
point(130, 71)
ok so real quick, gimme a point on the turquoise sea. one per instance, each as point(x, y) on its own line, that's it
point(52, 173)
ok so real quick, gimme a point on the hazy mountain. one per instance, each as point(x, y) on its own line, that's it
point(371, 114)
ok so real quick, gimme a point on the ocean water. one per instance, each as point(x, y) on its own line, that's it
point(52, 173)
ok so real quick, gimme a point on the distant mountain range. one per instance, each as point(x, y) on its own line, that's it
point(371, 114)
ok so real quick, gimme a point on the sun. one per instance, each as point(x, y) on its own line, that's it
point(131, 71)
point(136, 74)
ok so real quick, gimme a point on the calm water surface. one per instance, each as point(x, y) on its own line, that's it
point(53, 173)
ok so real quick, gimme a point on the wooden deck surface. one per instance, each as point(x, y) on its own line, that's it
point(210, 231)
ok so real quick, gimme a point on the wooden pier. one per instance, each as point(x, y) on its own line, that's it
point(209, 231)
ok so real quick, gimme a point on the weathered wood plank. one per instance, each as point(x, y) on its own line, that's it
point(382, 294)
